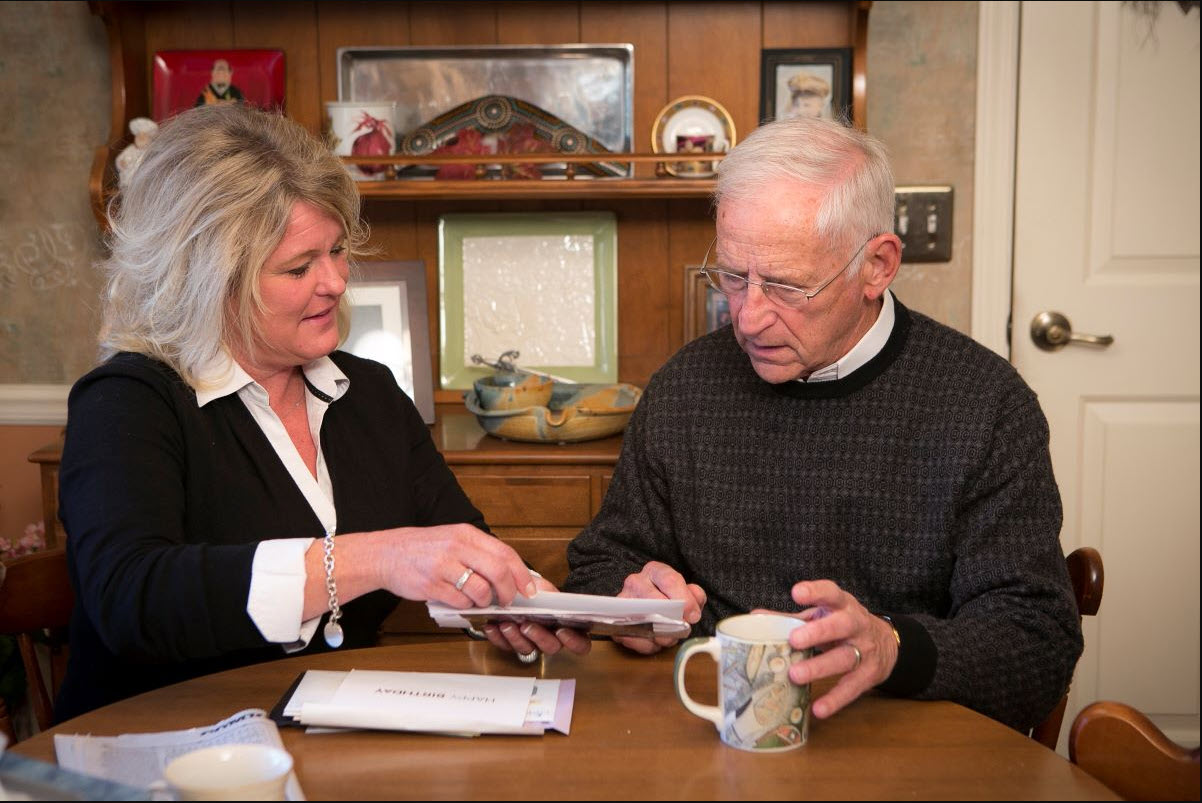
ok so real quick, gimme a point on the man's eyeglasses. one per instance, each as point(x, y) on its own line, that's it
point(785, 295)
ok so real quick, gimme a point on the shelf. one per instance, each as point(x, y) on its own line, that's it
point(533, 189)
point(572, 186)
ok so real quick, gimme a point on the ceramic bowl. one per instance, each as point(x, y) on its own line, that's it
point(507, 391)
point(574, 413)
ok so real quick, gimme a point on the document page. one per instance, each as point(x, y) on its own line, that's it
point(485, 704)
point(593, 613)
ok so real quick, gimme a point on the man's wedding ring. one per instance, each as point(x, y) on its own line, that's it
point(462, 581)
point(528, 657)
point(859, 657)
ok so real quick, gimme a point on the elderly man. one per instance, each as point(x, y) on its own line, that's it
point(835, 452)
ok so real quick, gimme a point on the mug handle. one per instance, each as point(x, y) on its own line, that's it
point(687, 650)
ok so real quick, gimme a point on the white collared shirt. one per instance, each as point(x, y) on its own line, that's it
point(868, 346)
point(277, 581)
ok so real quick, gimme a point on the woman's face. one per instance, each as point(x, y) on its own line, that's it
point(300, 284)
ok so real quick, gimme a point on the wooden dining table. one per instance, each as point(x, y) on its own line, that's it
point(630, 739)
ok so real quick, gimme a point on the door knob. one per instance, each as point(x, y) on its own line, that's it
point(1052, 331)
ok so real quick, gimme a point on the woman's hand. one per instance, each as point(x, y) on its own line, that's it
point(455, 564)
point(529, 638)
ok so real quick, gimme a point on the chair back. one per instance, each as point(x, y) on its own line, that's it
point(1123, 749)
point(36, 595)
point(1088, 577)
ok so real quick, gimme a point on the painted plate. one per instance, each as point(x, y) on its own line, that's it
point(692, 124)
point(182, 79)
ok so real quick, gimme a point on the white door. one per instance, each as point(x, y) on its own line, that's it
point(1106, 233)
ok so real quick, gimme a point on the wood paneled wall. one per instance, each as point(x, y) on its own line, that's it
point(704, 48)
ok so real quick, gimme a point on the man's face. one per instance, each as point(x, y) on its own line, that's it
point(221, 74)
point(770, 238)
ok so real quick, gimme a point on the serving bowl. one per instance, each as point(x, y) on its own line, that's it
point(573, 413)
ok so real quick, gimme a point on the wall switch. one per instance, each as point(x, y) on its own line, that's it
point(922, 218)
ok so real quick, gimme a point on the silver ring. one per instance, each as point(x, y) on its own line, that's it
point(859, 657)
point(462, 581)
point(528, 657)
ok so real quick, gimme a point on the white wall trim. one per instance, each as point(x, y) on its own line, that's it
point(998, 26)
point(33, 404)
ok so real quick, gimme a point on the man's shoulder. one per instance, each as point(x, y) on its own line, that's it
point(952, 359)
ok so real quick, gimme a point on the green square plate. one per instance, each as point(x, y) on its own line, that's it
point(545, 284)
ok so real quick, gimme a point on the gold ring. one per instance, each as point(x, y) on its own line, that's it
point(859, 657)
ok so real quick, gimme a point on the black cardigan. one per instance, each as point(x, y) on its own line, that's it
point(164, 503)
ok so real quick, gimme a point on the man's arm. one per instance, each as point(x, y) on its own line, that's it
point(1013, 635)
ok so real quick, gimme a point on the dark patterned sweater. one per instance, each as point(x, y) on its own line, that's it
point(921, 484)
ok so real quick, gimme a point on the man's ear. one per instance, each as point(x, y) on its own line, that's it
point(881, 263)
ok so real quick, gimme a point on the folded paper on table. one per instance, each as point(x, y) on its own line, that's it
point(595, 614)
point(429, 702)
point(138, 759)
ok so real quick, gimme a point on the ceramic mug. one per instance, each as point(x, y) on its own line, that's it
point(230, 772)
point(759, 708)
point(365, 128)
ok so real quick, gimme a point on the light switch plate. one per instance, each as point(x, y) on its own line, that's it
point(922, 218)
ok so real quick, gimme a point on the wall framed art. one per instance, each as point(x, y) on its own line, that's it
point(705, 309)
point(814, 82)
point(389, 325)
point(544, 284)
point(182, 79)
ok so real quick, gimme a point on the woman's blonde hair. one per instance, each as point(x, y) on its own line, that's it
point(195, 223)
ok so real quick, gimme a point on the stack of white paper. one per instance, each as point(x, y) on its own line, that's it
point(431, 702)
point(595, 614)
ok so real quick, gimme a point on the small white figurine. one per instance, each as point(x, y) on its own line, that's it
point(143, 129)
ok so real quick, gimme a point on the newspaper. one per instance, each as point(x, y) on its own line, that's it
point(594, 614)
point(138, 759)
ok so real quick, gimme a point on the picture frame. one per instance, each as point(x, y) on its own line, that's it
point(389, 324)
point(182, 78)
point(814, 81)
point(705, 309)
point(544, 284)
point(588, 86)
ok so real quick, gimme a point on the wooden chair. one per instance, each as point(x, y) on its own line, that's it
point(1085, 572)
point(1123, 749)
point(36, 595)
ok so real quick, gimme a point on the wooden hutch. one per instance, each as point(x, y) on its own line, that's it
point(536, 497)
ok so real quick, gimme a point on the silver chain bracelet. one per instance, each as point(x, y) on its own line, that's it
point(332, 631)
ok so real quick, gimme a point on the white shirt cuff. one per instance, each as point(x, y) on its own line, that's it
point(277, 593)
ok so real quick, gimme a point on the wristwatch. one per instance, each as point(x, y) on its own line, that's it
point(889, 621)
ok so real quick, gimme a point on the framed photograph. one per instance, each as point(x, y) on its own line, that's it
point(389, 325)
point(705, 309)
point(590, 87)
point(813, 82)
point(543, 284)
point(185, 78)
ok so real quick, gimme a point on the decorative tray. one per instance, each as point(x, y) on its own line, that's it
point(692, 124)
point(574, 413)
point(497, 124)
point(588, 86)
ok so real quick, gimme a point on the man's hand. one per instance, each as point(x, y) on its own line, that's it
point(836, 623)
point(660, 581)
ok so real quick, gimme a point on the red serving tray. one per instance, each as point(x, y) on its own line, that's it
point(179, 76)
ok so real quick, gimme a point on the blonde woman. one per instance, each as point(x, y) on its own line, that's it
point(233, 488)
